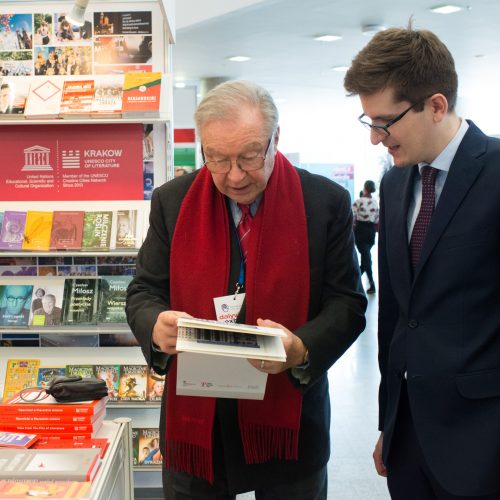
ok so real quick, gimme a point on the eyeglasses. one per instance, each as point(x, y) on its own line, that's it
point(384, 129)
point(247, 163)
point(15, 299)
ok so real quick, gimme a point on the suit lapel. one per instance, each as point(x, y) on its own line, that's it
point(464, 169)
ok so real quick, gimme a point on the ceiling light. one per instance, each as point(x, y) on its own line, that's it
point(78, 12)
point(446, 9)
point(327, 38)
point(340, 68)
point(238, 58)
point(372, 29)
point(180, 85)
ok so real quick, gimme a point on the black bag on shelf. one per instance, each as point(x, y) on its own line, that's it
point(75, 389)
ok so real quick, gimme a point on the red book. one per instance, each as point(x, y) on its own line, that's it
point(76, 100)
point(53, 428)
point(49, 406)
point(67, 230)
point(49, 419)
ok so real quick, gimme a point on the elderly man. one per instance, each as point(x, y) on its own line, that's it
point(249, 223)
point(15, 309)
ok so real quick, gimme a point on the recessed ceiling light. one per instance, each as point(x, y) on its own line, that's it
point(238, 58)
point(327, 38)
point(446, 9)
point(340, 68)
point(180, 85)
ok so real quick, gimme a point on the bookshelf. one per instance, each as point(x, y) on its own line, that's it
point(162, 36)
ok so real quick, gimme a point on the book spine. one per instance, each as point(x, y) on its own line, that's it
point(78, 428)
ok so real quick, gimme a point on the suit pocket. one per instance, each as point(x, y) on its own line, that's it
point(479, 385)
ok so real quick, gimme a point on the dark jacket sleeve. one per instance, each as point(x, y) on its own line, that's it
point(149, 292)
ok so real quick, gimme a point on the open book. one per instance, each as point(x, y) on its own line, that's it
point(230, 339)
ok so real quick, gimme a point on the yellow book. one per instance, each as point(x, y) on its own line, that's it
point(37, 230)
point(21, 373)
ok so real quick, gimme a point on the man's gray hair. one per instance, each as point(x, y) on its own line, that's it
point(224, 102)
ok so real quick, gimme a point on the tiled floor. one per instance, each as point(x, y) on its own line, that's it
point(353, 389)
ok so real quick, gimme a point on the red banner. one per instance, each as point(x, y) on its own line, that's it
point(71, 162)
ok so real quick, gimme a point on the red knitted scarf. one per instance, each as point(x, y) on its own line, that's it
point(277, 288)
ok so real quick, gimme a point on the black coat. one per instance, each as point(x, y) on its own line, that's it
point(336, 318)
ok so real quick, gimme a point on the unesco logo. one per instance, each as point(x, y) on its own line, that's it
point(225, 308)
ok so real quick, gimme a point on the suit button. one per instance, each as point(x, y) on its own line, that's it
point(413, 323)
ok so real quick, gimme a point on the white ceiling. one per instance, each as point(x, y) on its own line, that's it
point(278, 36)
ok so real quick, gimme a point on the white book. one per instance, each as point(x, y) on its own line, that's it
point(108, 95)
point(230, 339)
point(44, 98)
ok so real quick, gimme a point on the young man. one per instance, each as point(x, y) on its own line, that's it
point(300, 274)
point(439, 269)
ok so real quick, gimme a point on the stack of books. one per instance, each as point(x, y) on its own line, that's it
point(52, 421)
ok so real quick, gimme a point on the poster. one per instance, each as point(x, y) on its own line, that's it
point(76, 162)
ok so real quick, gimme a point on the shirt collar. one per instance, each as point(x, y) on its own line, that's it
point(444, 159)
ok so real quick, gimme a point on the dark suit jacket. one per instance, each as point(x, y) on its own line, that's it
point(443, 327)
point(336, 318)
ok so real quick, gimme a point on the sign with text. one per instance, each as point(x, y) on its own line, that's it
point(71, 162)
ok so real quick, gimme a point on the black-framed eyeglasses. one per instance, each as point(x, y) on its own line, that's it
point(247, 162)
point(384, 129)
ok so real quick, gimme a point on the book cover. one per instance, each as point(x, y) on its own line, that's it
point(46, 374)
point(230, 339)
point(44, 98)
point(57, 465)
point(49, 419)
point(108, 93)
point(126, 230)
point(17, 439)
point(37, 230)
point(149, 446)
point(156, 386)
point(135, 446)
point(141, 93)
point(12, 235)
point(112, 299)
point(13, 95)
point(47, 301)
point(15, 304)
point(21, 373)
point(49, 406)
point(44, 489)
point(111, 375)
point(101, 444)
point(133, 382)
point(97, 230)
point(76, 99)
point(84, 371)
point(80, 301)
point(53, 428)
point(67, 230)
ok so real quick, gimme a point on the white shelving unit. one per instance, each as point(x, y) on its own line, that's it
point(140, 414)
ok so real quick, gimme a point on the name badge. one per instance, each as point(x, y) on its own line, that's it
point(228, 307)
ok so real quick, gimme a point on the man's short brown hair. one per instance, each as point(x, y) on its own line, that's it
point(415, 64)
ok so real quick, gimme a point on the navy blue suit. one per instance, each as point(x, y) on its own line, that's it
point(442, 325)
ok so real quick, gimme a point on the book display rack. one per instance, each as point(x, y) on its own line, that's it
point(64, 169)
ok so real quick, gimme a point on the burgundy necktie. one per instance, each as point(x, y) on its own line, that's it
point(244, 228)
point(424, 215)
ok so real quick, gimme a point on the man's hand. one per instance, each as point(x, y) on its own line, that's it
point(165, 330)
point(294, 348)
point(377, 457)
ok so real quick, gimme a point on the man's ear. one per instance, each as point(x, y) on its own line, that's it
point(438, 106)
point(276, 138)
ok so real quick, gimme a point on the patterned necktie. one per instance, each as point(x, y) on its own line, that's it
point(244, 229)
point(424, 215)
